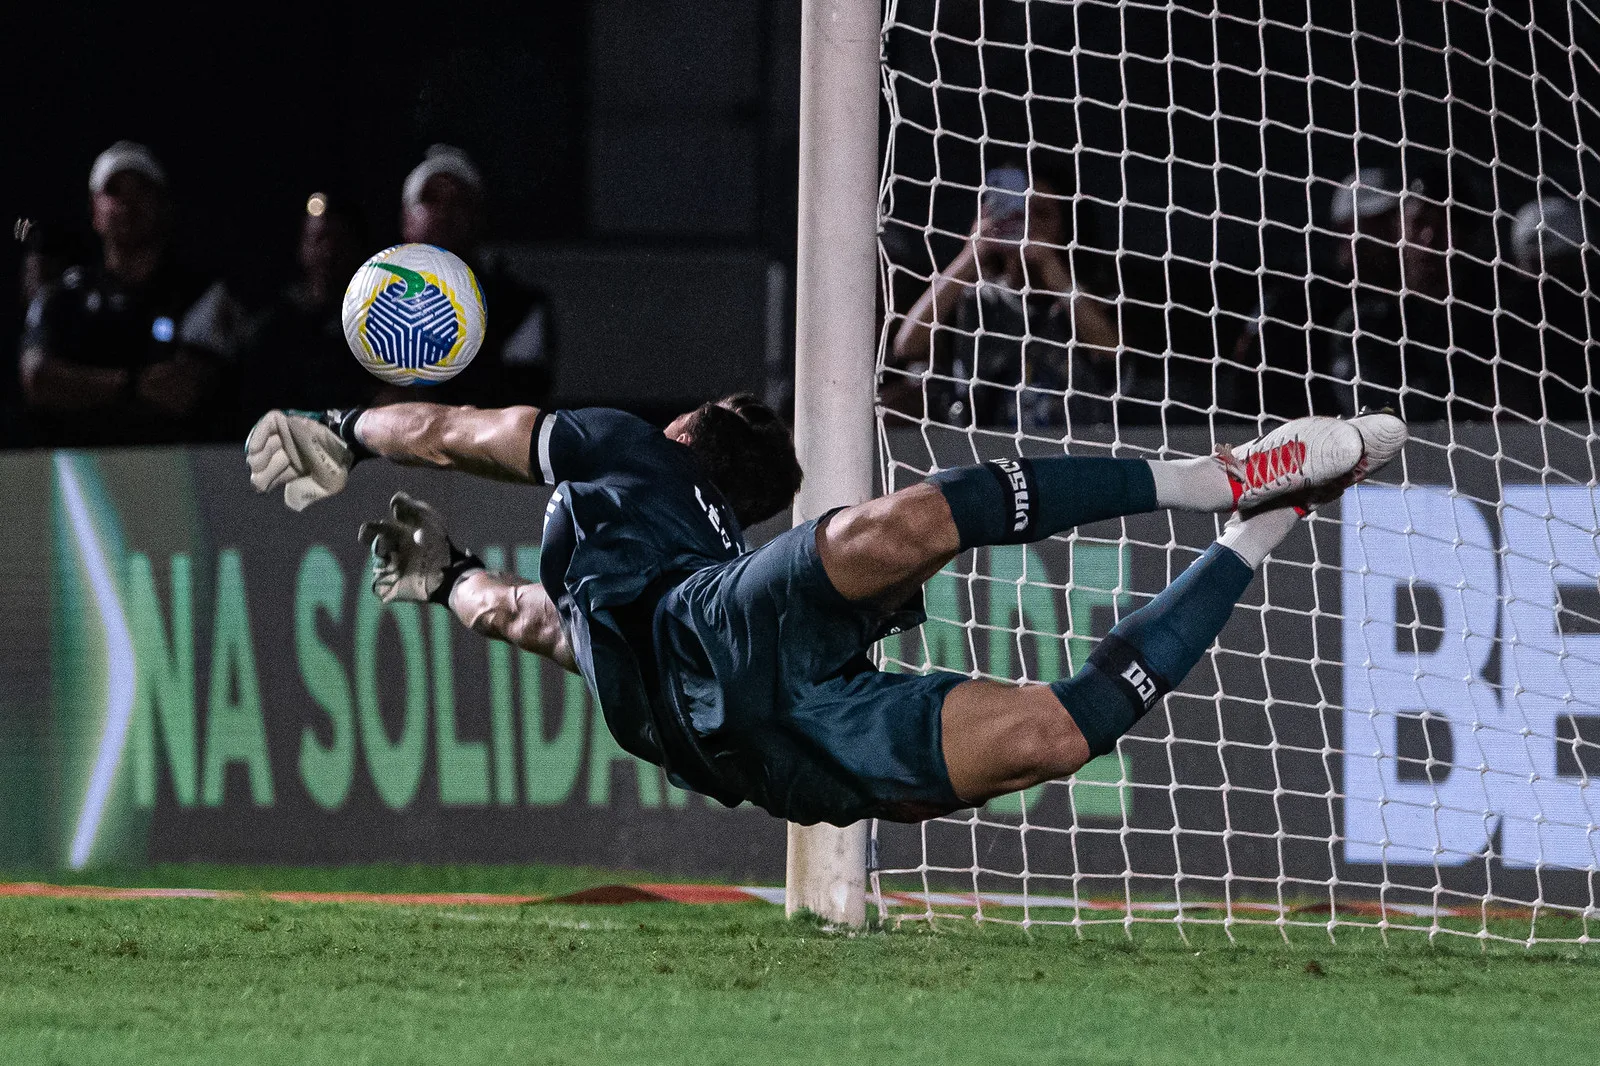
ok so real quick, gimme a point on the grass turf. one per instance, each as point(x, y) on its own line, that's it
point(181, 981)
point(373, 877)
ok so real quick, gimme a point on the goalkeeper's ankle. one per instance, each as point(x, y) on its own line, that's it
point(1199, 484)
point(461, 564)
point(1254, 538)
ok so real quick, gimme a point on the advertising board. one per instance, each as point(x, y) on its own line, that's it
point(191, 672)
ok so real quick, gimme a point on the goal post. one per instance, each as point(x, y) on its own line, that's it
point(835, 364)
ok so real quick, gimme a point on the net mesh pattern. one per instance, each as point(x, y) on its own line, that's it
point(1137, 229)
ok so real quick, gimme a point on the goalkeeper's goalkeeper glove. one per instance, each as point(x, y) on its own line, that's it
point(412, 557)
point(309, 453)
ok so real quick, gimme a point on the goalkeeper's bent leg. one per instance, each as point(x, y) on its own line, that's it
point(884, 549)
point(1017, 501)
point(1150, 652)
point(1001, 738)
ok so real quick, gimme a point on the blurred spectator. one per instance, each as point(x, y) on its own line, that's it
point(1009, 337)
point(1545, 337)
point(442, 204)
point(1547, 238)
point(295, 354)
point(131, 350)
point(1402, 323)
point(1417, 336)
point(47, 251)
point(1278, 366)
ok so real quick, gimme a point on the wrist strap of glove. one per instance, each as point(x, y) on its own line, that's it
point(344, 424)
point(461, 564)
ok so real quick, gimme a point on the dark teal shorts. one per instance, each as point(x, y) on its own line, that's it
point(766, 666)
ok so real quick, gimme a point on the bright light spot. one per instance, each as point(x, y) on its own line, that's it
point(119, 660)
point(316, 204)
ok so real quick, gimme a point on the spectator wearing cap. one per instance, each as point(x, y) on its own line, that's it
point(1547, 239)
point(1383, 330)
point(131, 350)
point(442, 203)
point(1417, 331)
point(294, 354)
point(1548, 362)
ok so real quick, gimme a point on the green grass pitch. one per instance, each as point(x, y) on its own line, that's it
point(252, 981)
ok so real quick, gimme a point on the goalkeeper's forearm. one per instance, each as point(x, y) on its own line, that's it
point(490, 443)
point(518, 612)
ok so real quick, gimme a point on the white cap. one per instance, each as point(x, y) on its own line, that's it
point(1556, 218)
point(440, 159)
point(124, 155)
point(1367, 192)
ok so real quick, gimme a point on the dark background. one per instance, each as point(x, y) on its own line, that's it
point(599, 119)
point(659, 127)
point(1205, 142)
point(653, 140)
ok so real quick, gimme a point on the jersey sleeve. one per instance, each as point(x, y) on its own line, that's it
point(586, 445)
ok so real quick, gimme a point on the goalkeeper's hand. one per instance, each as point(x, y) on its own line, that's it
point(412, 557)
point(309, 454)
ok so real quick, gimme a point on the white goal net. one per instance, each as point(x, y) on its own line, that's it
point(1235, 214)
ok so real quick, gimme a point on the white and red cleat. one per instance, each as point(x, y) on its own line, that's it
point(1382, 437)
point(1295, 464)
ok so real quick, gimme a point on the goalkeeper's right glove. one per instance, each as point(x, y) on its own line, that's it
point(309, 454)
point(413, 558)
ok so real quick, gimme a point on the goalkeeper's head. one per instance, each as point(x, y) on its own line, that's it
point(746, 451)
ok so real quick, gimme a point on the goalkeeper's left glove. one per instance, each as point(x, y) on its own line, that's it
point(309, 453)
point(412, 557)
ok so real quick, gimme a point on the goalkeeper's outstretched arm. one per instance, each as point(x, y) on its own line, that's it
point(491, 443)
point(310, 454)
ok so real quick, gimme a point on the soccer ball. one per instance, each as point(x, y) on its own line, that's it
point(413, 315)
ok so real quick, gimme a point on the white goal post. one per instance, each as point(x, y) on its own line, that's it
point(1241, 211)
point(835, 331)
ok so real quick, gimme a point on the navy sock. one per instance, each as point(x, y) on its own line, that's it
point(1015, 501)
point(1153, 649)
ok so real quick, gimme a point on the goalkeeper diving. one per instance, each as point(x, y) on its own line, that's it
point(745, 674)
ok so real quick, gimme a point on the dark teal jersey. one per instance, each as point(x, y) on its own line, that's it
point(632, 515)
point(744, 674)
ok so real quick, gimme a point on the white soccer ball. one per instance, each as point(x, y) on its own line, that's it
point(413, 315)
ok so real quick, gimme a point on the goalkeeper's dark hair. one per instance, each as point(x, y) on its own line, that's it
point(748, 454)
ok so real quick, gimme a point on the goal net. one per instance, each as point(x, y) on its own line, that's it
point(1135, 229)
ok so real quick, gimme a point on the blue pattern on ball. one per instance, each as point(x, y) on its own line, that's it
point(415, 333)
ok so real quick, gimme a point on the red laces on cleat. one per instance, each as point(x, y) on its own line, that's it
point(1262, 468)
